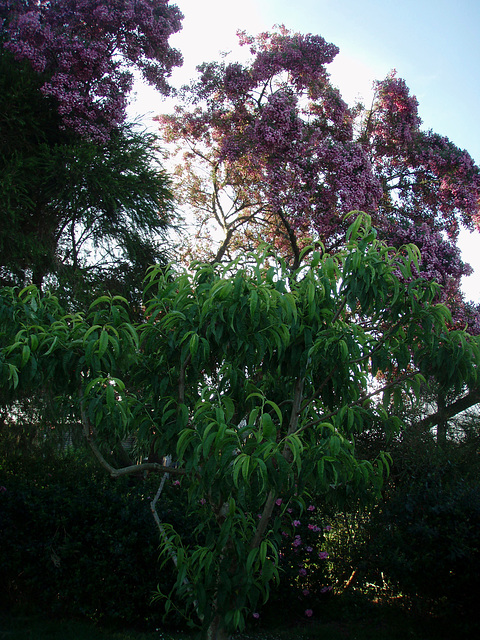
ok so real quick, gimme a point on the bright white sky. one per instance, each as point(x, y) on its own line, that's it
point(433, 44)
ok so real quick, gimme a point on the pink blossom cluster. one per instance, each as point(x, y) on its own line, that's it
point(85, 49)
point(303, 56)
point(278, 125)
point(396, 115)
point(425, 176)
point(441, 263)
point(447, 180)
point(301, 554)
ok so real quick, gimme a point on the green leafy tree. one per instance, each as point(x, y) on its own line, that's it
point(250, 383)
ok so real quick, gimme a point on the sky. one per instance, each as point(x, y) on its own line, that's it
point(434, 45)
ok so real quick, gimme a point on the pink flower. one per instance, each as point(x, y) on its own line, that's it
point(202, 501)
point(308, 613)
point(296, 523)
point(256, 615)
point(311, 507)
point(306, 592)
point(302, 572)
point(278, 501)
point(327, 528)
point(309, 549)
point(323, 555)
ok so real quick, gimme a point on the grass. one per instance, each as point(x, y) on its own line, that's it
point(347, 620)
point(36, 628)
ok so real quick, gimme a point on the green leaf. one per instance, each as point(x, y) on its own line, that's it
point(253, 303)
point(208, 443)
point(269, 429)
point(182, 416)
point(25, 355)
point(184, 439)
point(277, 410)
point(13, 375)
point(193, 345)
point(334, 445)
point(102, 343)
point(252, 556)
point(352, 231)
point(88, 333)
point(52, 346)
point(267, 570)
point(110, 395)
point(229, 408)
point(263, 552)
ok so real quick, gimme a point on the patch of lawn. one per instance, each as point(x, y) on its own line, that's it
point(35, 628)
point(345, 620)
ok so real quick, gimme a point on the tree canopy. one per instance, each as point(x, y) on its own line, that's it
point(255, 380)
point(85, 52)
point(84, 197)
point(246, 375)
point(269, 151)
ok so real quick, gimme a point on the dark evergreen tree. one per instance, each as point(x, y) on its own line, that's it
point(79, 213)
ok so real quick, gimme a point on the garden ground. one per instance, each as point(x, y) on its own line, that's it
point(350, 619)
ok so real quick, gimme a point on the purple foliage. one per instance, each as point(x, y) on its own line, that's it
point(86, 49)
point(298, 158)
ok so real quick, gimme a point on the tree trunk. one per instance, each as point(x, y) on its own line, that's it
point(442, 422)
point(216, 630)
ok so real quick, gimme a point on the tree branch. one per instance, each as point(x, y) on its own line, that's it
point(445, 413)
point(293, 241)
point(361, 400)
point(270, 502)
point(123, 471)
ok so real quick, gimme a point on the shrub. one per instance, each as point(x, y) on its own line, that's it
point(75, 542)
point(426, 536)
point(305, 579)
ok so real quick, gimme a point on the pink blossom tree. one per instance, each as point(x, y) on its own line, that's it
point(87, 50)
point(269, 151)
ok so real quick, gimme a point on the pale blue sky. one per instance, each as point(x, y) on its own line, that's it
point(433, 44)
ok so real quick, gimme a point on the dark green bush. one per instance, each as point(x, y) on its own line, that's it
point(74, 542)
point(426, 536)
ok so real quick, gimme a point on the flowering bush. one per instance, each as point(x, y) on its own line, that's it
point(305, 570)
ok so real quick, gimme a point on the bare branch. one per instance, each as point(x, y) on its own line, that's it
point(446, 413)
point(123, 471)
